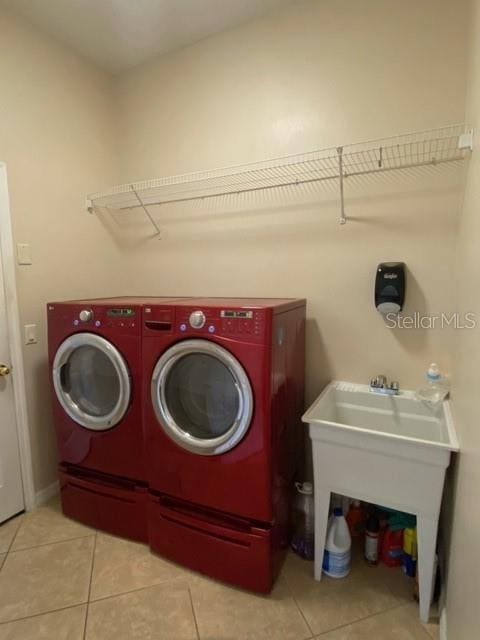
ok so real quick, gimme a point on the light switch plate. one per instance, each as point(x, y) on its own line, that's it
point(30, 331)
point(23, 254)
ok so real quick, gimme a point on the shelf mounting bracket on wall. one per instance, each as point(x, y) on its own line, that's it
point(343, 218)
point(465, 140)
point(147, 212)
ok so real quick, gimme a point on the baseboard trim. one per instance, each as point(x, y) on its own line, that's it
point(443, 624)
point(44, 495)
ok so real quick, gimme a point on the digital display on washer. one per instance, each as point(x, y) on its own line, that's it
point(236, 314)
point(120, 313)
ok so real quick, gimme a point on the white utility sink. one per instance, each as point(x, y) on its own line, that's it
point(388, 450)
point(401, 425)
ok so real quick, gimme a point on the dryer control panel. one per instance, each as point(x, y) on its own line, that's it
point(249, 324)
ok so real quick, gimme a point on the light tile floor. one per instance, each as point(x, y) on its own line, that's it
point(60, 580)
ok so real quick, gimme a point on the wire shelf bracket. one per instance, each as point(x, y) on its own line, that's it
point(343, 218)
point(147, 212)
point(432, 147)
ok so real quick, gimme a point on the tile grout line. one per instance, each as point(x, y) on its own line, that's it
point(430, 637)
point(90, 586)
point(7, 552)
point(14, 537)
point(47, 544)
point(303, 615)
point(43, 613)
point(193, 613)
point(291, 591)
point(349, 624)
point(150, 586)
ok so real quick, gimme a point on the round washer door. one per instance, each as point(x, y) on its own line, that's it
point(202, 397)
point(92, 381)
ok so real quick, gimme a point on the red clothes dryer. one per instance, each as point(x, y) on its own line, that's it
point(224, 395)
point(95, 362)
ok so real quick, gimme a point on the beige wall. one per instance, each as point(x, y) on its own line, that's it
point(316, 74)
point(464, 566)
point(57, 139)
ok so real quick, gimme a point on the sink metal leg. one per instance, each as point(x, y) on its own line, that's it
point(427, 539)
point(322, 507)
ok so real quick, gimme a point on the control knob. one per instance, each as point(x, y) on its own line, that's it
point(197, 319)
point(86, 315)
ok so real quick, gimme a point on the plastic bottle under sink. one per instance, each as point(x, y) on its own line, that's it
point(356, 519)
point(338, 547)
point(303, 541)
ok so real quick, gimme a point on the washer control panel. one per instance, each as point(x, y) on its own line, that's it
point(122, 320)
point(108, 320)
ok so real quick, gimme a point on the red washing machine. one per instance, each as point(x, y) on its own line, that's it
point(95, 358)
point(224, 395)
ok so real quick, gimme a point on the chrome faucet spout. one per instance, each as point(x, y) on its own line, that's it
point(379, 384)
point(379, 381)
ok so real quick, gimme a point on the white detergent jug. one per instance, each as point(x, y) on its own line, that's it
point(338, 547)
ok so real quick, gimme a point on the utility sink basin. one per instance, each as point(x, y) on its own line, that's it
point(387, 450)
point(399, 425)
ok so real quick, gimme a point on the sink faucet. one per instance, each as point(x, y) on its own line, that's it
point(379, 384)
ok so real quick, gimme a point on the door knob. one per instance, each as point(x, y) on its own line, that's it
point(4, 370)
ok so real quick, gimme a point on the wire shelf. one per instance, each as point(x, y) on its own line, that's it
point(431, 147)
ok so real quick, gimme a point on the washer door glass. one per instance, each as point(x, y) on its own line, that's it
point(91, 381)
point(202, 397)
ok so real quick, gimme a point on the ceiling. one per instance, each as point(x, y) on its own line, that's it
point(118, 34)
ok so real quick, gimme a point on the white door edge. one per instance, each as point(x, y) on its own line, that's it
point(7, 251)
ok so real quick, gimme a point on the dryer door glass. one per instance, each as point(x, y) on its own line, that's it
point(91, 381)
point(202, 397)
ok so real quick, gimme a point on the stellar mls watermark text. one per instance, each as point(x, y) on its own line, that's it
point(418, 320)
